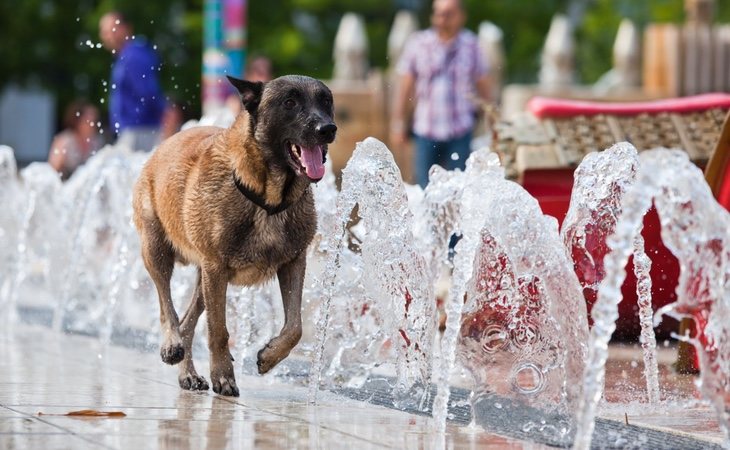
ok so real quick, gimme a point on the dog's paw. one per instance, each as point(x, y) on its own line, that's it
point(193, 382)
point(225, 386)
point(221, 376)
point(267, 359)
point(277, 349)
point(172, 353)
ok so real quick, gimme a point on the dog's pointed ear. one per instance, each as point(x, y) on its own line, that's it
point(250, 92)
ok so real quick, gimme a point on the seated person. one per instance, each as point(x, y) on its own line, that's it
point(79, 139)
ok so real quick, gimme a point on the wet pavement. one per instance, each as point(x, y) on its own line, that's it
point(44, 375)
point(681, 411)
point(49, 373)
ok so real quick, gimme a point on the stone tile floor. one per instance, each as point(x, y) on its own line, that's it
point(45, 372)
point(681, 411)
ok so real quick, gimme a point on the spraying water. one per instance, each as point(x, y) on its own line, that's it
point(41, 182)
point(642, 269)
point(522, 350)
point(601, 181)
point(397, 309)
point(10, 196)
point(696, 229)
point(379, 249)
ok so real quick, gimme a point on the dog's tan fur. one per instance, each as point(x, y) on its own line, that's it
point(188, 209)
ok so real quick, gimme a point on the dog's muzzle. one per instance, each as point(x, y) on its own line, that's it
point(326, 131)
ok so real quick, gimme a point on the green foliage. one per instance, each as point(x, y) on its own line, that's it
point(298, 35)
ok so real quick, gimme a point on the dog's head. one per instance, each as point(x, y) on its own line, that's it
point(292, 121)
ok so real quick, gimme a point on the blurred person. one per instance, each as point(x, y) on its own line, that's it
point(444, 72)
point(172, 120)
point(136, 102)
point(259, 69)
point(79, 139)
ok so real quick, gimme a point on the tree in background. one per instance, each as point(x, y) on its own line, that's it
point(298, 35)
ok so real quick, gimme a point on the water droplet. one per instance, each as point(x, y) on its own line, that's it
point(528, 379)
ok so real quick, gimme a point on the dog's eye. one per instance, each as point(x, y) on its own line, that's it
point(290, 103)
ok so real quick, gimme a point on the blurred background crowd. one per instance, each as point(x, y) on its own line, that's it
point(52, 54)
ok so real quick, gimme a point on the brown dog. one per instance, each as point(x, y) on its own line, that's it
point(238, 204)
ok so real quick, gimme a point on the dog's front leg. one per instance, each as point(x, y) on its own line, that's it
point(214, 284)
point(188, 377)
point(291, 281)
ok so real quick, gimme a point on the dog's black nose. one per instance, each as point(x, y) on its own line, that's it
point(326, 130)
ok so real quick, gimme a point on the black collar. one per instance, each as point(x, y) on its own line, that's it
point(259, 200)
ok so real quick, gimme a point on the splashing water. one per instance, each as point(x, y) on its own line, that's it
point(481, 168)
point(515, 338)
point(40, 182)
point(371, 271)
point(601, 182)
point(10, 198)
point(395, 315)
point(697, 230)
point(101, 231)
point(642, 270)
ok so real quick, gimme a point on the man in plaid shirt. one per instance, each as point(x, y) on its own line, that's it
point(445, 69)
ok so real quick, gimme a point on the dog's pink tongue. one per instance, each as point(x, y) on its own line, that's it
point(312, 161)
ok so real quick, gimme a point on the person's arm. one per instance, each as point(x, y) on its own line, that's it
point(57, 154)
point(484, 88)
point(398, 125)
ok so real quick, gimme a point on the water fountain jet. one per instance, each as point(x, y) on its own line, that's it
point(524, 363)
point(697, 230)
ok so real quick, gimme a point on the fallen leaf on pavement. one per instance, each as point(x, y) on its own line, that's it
point(88, 413)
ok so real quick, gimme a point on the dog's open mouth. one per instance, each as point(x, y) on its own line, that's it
point(308, 160)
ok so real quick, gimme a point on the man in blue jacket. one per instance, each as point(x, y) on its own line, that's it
point(136, 102)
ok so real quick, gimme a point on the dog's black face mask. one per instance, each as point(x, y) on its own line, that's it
point(292, 120)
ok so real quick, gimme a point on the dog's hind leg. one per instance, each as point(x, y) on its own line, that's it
point(159, 259)
point(291, 281)
point(189, 378)
point(214, 283)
